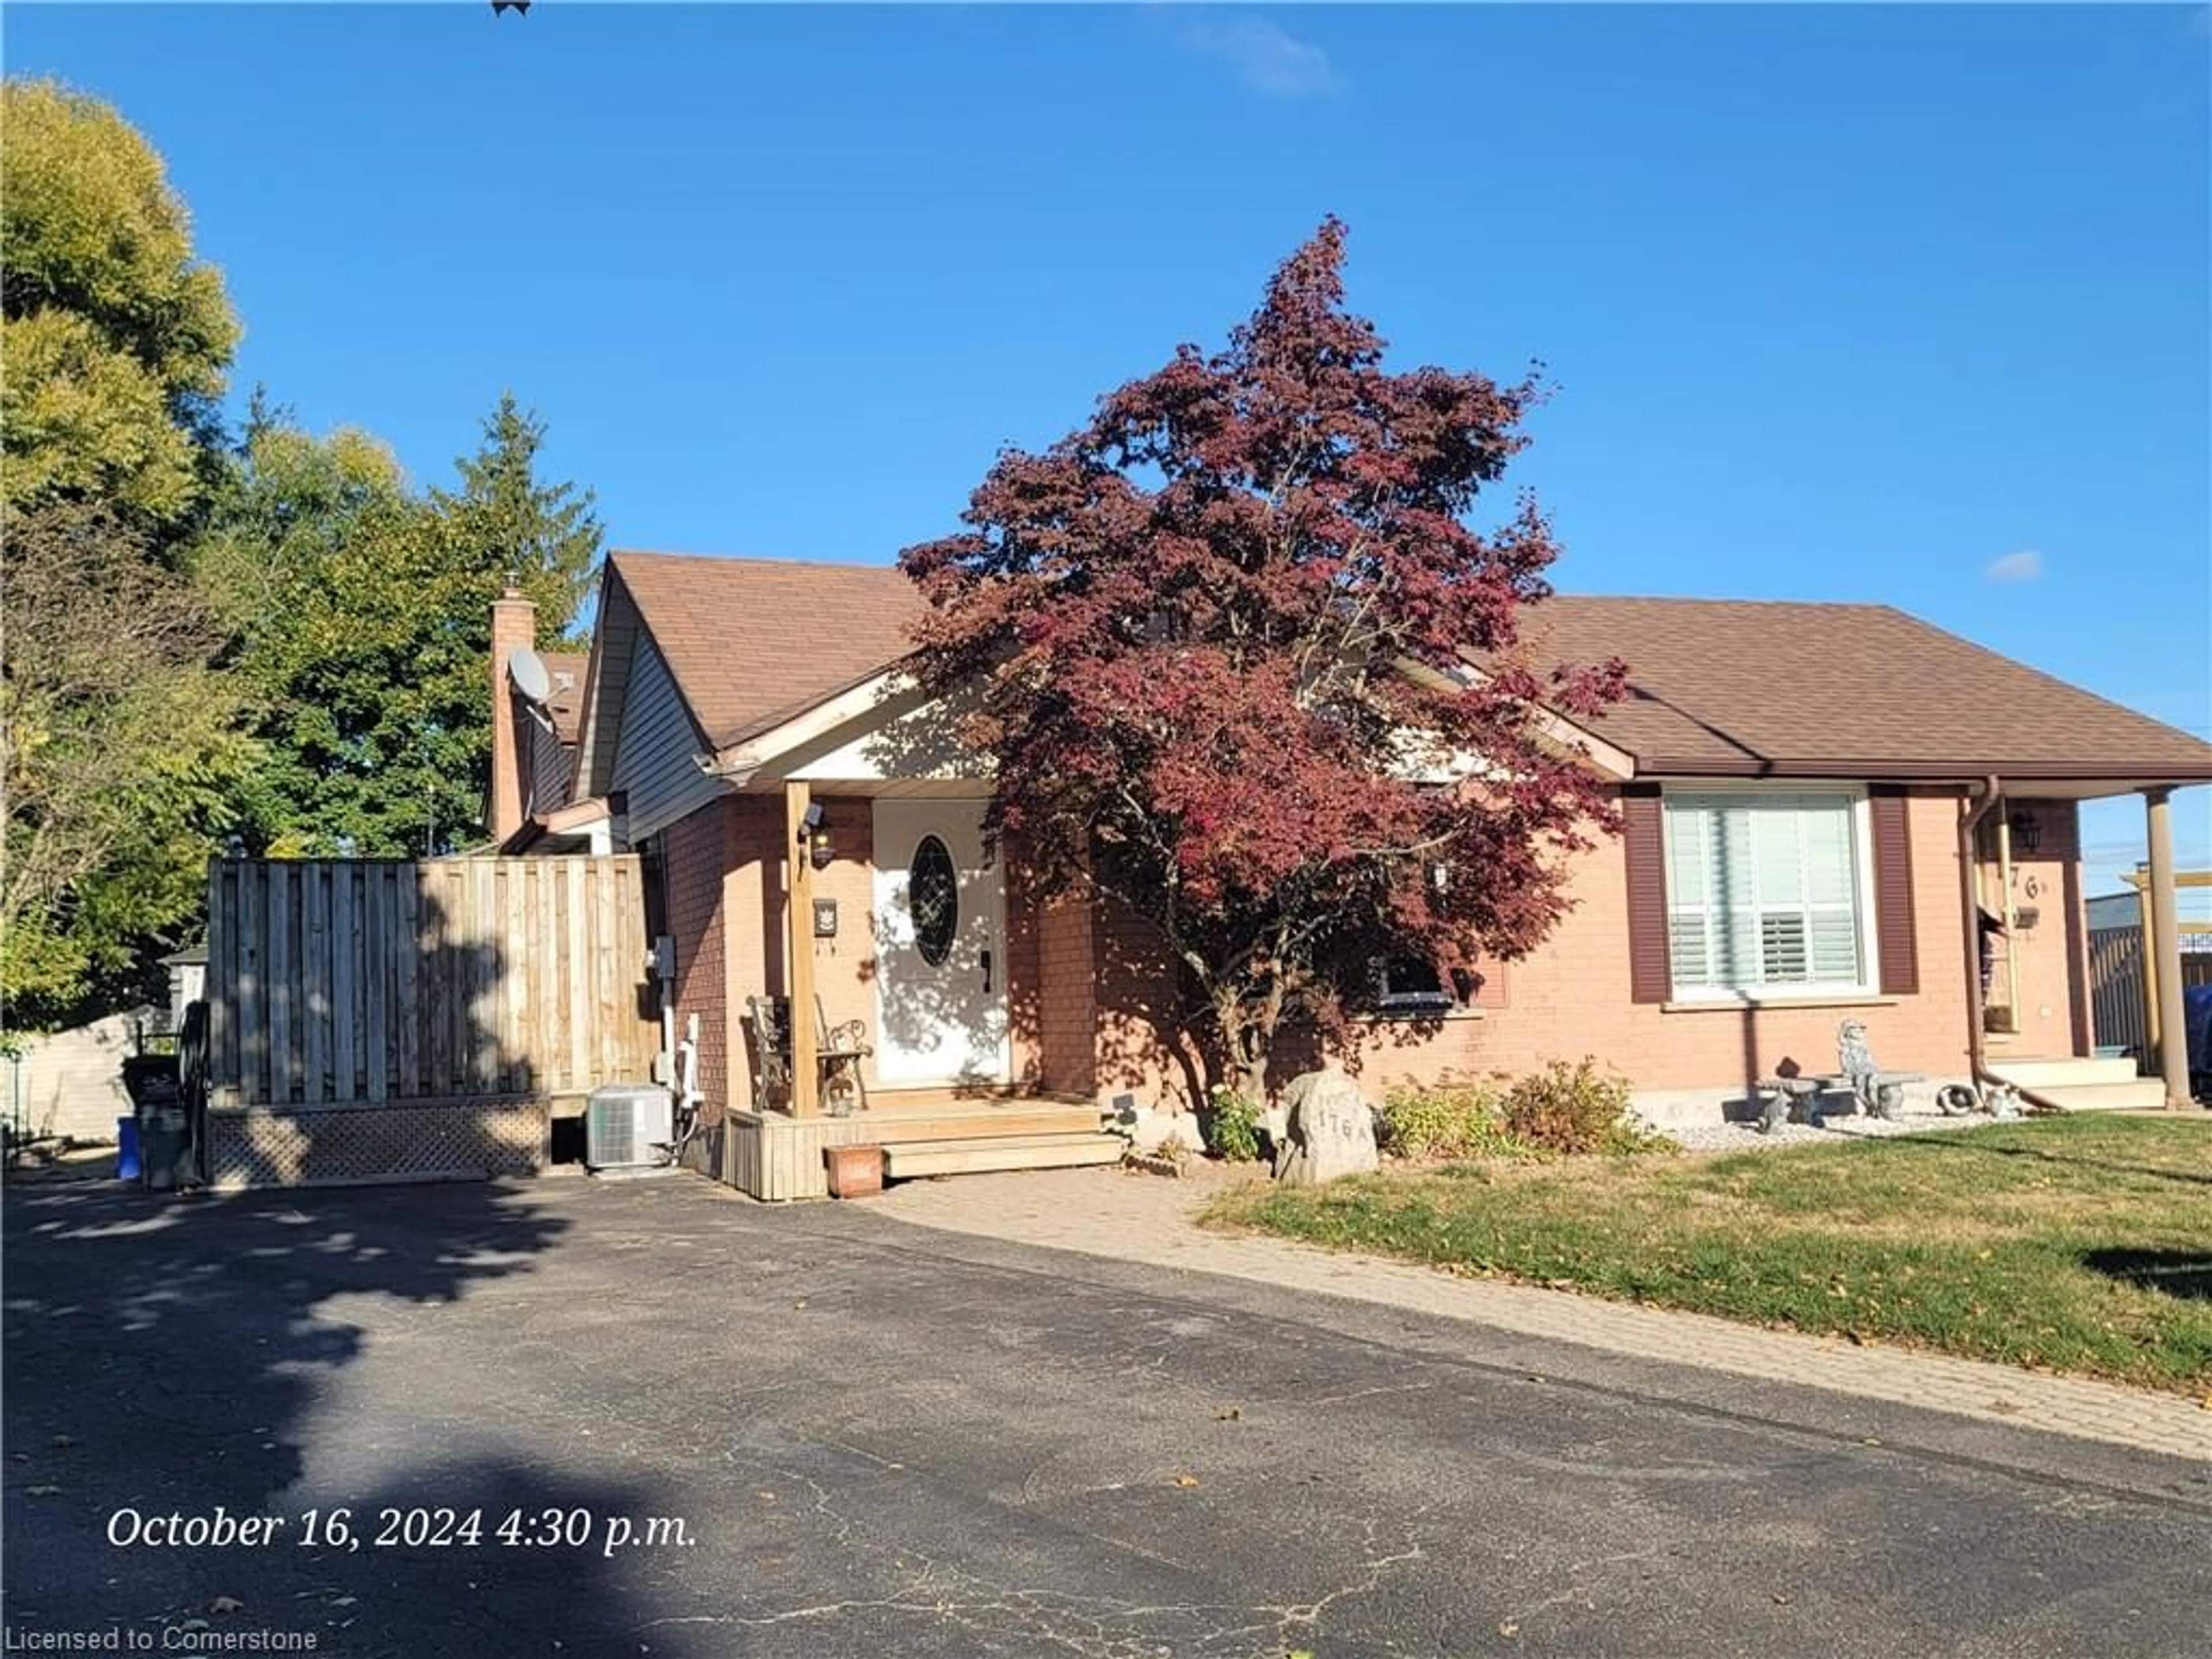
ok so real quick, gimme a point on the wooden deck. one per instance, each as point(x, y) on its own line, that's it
point(770, 1155)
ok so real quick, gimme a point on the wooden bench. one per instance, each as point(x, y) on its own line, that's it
point(838, 1051)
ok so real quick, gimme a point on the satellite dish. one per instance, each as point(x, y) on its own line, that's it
point(527, 670)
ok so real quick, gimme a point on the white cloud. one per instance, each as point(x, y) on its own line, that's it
point(2024, 566)
point(1266, 58)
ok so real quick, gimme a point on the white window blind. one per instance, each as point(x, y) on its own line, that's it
point(1764, 890)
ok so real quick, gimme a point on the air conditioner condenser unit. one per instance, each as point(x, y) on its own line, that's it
point(628, 1126)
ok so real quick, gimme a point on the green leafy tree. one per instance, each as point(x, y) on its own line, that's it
point(360, 614)
point(313, 556)
point(120, 740)
point(116, 337)
point(118, 751)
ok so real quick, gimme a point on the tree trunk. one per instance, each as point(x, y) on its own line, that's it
point(1252, 1079)
point(1248, 1037)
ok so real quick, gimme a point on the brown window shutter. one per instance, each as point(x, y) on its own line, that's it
point(1643, 840)
point(1892, 892)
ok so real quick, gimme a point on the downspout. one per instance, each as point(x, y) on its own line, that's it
point(1991, 792)
point(2005, 915)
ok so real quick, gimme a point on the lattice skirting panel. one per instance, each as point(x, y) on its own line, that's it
point(344, 1145)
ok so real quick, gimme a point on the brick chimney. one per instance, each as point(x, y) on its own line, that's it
point(513, 627)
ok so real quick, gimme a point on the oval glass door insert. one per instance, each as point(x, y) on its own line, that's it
point(933, 884)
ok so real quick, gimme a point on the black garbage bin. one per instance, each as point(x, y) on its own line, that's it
point(165, 1137)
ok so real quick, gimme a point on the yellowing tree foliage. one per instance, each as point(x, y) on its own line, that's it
point(116, 337)
point(278, 638)
point(119, 741)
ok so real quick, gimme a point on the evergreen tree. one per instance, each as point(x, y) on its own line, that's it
point(508, 521)
point(361, 615)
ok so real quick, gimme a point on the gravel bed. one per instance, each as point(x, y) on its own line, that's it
point(1745, 1137)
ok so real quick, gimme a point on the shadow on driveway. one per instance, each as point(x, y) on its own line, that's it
point(191, 1356)
point(880, 1439)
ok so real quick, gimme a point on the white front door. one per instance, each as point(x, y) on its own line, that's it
point(940, 925)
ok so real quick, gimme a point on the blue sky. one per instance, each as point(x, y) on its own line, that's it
point(1897, 303)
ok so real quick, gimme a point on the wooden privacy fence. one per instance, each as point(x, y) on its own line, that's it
point(450, 998)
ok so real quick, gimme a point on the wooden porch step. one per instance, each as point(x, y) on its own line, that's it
point(906, 1159)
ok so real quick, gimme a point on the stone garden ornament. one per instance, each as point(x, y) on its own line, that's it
point(1328, 1131)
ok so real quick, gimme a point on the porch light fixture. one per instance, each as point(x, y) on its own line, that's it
point(814, 835)
point(2026, 832)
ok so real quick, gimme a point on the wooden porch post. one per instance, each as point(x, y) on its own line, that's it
point(2165, 940)
point(799, 951)
point(2146, 945)
point(2007, 913)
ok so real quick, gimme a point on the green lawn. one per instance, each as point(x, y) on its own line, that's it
point(2077, 1244)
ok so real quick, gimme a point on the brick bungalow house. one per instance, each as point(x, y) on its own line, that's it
point(1823, 803)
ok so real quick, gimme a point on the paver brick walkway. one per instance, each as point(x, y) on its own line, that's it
point(1149, 1219)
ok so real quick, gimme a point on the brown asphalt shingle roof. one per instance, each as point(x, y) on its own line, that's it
point(565, 703)
point(752, 643)
point(1743, 687)
point(1720, 687)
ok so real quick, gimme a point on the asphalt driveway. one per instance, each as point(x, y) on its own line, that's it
point(648, 1417)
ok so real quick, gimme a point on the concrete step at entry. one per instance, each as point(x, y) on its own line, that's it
point(2148, 1094)
point(2063, 1074)
point(907, 1159)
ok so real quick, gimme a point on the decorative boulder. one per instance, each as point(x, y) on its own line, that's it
point(1328, 1131)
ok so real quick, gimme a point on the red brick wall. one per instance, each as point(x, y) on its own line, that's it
point(845, 967)
point(1092, 993)
point(726, 896)
point(754, 883)
point(2049, 1002)
point(752, 903)
point(1066, 979)
point(691, 857)
point(1025, 1001)
point(1140, 996)
point(1570, 998)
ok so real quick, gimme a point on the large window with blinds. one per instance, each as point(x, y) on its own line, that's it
point(1767, 892)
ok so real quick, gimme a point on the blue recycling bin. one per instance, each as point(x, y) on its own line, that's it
point(164, 1128)
point(126, 1149)
point(2196, 1026)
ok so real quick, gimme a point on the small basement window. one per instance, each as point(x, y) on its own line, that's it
point(1408, 985)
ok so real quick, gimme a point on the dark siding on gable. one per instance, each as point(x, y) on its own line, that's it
point(655, 749)
point(1895, 932)
point(1644, 844)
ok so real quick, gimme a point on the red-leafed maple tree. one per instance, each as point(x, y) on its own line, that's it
point(1222, 636)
